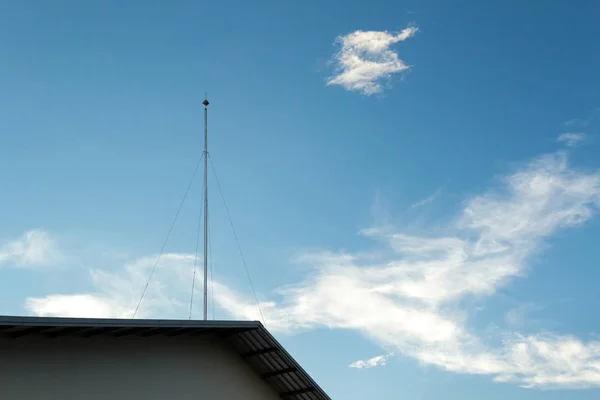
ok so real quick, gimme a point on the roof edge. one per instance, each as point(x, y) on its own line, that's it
point(293, 361)
point(125, 323)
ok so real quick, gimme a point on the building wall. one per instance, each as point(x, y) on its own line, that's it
point(106, 368)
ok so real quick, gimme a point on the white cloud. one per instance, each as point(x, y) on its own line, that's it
point(583, 122)
point(34, 248)
point(378, 361)
point(428, 200)
point(78, 305)
point(552, 361)
point(410, 301)
point(118, 292)
point(407, 297)
point(519, 315)
point(577, 122)
point(571, 139)
point(365, 58)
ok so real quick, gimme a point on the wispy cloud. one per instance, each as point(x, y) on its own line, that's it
point(35, 248)
point(406, 297)
point(380, 209)
point(78, 305)
point(572, 138)
point(583, 122)
point(365, 58)
point(117, 292)
point(411, 300)
point(577, 122)
point(378, 361)
point(429, 199)
point(517, 316)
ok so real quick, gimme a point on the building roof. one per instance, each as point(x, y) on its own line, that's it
point(250, 339)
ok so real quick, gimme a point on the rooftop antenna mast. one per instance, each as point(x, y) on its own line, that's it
point(205, 155)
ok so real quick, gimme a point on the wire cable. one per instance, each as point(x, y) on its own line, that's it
point(212, 279)
point(237, 242)
point(196, 258)
point(167, 238)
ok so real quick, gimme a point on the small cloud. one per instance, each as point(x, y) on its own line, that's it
point(571, 139)
point(583, 122)
point(365, 59)
point(77, 305)
point(33, 249)
point(429, 199)
point(380, 209)
point(518, 316)
point(577, 122)
point(378, 361)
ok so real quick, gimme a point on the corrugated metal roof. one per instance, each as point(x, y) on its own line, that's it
point(250, 339)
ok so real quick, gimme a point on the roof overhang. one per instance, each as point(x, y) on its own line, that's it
point(250, 339)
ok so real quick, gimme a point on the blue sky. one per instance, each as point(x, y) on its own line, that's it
point(414, 184)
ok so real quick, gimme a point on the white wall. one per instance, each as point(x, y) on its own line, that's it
point(104, 368)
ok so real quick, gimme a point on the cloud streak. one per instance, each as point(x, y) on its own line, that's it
point(365, 59)
point(571, 139)
point(35, 248)
point(378, 361)
point(584, 122)
point(428, 200)
point(517, 316)
point(117, 292)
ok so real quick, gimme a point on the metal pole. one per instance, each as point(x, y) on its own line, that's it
point(205, 154)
